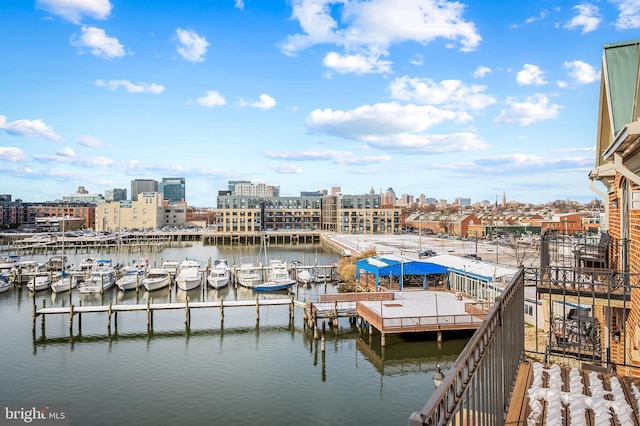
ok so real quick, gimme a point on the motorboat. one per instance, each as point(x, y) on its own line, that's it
point(131, 278)
point(8, 262)
point(247, 275)
point(171, 266)
point(39, 282)
point(278, 277)
point(189, 274)
point(67, 282)
point(156, 279)
point(4, 284)
point(219, 276)
point(103, 277)
point(306, 276)
point(55, 263)
point(84, 268)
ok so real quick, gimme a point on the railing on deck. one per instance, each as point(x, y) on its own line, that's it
point(477, 388)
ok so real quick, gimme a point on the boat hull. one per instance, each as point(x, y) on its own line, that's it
point(64, 284)
point(187, 284)
point(274, 285)
point(152, 284)
point(217, 281)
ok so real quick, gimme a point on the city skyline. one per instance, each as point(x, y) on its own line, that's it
point(425, 97)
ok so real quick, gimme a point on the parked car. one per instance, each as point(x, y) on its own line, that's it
point(472, 256)
point(427, 253)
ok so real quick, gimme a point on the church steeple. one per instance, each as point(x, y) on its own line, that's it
point(504, 199)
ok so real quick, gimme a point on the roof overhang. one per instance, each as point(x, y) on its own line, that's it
point(626, 142)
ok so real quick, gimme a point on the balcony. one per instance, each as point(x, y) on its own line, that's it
point(574, 363)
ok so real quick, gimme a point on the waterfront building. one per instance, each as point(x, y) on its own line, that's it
point(173, 189)
point(84, 211)
point(57, 224)
point(254, 214)
point(147, 212)
point(175, 214)
point(359, 214)
point(454, 224)
point(11, 212)
point(616, 167)
point(142, 185)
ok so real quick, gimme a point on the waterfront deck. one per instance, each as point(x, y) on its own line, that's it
point(400, 312)
point(546, 395)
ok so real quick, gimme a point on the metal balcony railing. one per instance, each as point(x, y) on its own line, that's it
point(477, 388)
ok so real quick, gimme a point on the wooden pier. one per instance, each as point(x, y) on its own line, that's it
point(381, 311)
point(112, 310)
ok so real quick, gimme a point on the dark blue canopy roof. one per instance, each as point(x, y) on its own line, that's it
point(385, 267)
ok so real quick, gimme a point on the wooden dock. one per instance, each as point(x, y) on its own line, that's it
point(113, 310)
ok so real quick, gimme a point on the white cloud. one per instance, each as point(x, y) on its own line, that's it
point(535, 108)
point(288, 169)
point(66, 152)
point(357, 64)
point(94, 162)
point(395, 127)
point(191, 47)
point(239, 4)
point(28, 128)
point(531, 74)
point(588, 18)
point(581, 72)
point(448, 93)
point(338, 157)
point(481, 71)
point(12, 154)
point(131, 87)
point(429, 144)
point(89, 141)
point(265, 102)
point(99, 43)
point(416, 59)
point(211, 99)
point(75, 10)
point(629, 16)
point(366, 29)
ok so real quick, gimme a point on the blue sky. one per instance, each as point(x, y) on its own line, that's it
point(447, 99)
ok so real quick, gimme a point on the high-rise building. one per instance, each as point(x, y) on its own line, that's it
point(173, 189)
point(232, 185)
point(115, 194)
point(142, 185)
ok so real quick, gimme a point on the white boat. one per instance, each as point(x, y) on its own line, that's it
point(306, 276)
point(278, 278)
point(65, 283)
point(23, 271)
point(4, 284)
point(8, 262)
point(171, 266)
point(131, 278)
point(219, 276)
point(39, 282)
point(247, 275)
point(156, 279)
point(103, 277)
point(84, 268)
point(189, 275)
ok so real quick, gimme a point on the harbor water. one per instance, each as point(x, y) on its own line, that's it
point(243, 371)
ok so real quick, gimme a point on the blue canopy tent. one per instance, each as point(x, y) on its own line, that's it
point(398, 267)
